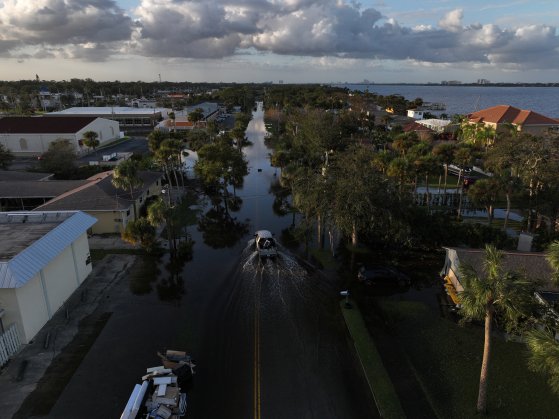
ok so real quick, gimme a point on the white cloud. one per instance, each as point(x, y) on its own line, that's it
point(95, 30)
point(452, 21)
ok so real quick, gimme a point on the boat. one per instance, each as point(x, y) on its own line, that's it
point(160, 396)
point(265, 244)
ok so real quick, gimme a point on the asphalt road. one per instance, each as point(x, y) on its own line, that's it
point(278, 349)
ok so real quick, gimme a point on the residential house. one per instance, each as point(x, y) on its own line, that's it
point(498, 117)
point(423, 132)
point(44, 257)
point(31, 135)
point(532, 264)
point(112, 207)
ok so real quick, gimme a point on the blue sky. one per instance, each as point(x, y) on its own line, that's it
point(272, 40)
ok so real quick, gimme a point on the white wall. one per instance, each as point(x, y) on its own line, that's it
point(32, 307)
point(106, 129)
point(37, 144)
point(29, 308)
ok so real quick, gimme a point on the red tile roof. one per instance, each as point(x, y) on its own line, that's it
point(42, 125)
point(502, 114)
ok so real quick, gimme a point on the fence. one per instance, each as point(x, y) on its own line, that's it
point(9, 344)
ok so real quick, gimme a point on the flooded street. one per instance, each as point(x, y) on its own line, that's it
point(267, 335)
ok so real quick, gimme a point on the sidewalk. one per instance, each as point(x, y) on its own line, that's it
point(20, 377)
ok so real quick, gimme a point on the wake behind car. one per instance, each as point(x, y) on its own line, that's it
point(383, 275)
point(265, 244)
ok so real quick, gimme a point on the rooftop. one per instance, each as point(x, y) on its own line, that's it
point(42, 125)
point(99, 194)
point(37, 188)
point(105, 110)
point(12, 175)
point(503, 114)
point(32, 239)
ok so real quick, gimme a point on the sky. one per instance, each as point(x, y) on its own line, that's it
point(294, 41)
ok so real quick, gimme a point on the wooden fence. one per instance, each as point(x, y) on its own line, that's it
point(9, 344)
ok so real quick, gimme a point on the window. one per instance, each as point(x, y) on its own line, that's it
point(23, 144)
point(127, 213)
point(118, 220)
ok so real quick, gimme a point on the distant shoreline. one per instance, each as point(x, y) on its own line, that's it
point(452, 85)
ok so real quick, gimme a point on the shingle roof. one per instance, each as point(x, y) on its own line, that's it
point(415, 127)
point(42, 125)
point(100, 195)
point(13, 175)
point(502, 114)
point(37, 188)
point(52, 235)
point(533, 264)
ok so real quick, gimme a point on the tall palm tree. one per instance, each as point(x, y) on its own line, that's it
point(158, 212)
point(125, 177)
point(487, 293)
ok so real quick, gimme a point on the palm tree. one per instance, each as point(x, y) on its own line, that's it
point(542, 344)
point(445, 153)
point(487, 293)
point(158, 212)
point(125, 177)
point(90, 139)
point(544, 355)
point(552, 256)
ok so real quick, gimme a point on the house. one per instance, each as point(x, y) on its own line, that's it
point(423, 132)
point(438, 125)
point(112, 207)
point(44, 257)
point(532, 264)
point(31, 135)
point(498, 117)
point(415, 113)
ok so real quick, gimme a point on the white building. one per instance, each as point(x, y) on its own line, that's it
point(415, 113)
point(44, 257)
point(31, 135)
point(126, 116)
point(437, 125)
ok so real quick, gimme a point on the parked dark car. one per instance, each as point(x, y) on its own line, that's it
point(383, 275)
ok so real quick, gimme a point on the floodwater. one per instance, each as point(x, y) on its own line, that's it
point(267, 335)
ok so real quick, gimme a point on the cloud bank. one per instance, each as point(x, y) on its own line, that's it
point(96, 30)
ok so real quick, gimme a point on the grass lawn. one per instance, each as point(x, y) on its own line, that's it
point(325, 258)
point(385, 396)
point(447, 359)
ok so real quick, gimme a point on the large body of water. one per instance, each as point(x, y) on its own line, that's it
point(467, 99)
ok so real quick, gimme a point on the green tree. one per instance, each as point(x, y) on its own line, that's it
point(364, 200)
point(90, 139)
point(126, 177)
point(140, 232)
point(544, 355)
point(159, 212)
point(219, 166)
point(196, 115)
point(488, 292)
point(484, 192)
point(155, 138)
point(60, 159)
point(445, 153)
point(6, 157)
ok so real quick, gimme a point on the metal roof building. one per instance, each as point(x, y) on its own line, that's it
point(44, 257)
